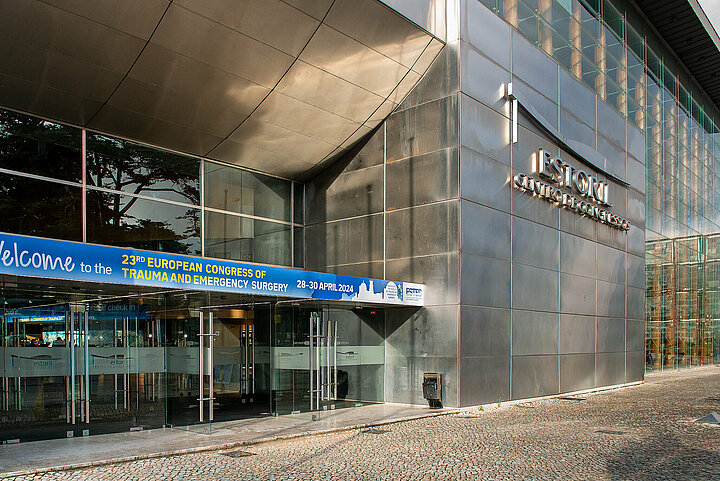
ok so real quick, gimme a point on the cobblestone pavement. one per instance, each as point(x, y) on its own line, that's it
point(644, 432)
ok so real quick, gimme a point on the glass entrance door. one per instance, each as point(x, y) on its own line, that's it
point(35, 399)
point(327, 358)
point(119, 368)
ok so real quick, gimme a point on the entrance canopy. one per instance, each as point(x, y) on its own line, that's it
point(278, 86)
point(45, 258)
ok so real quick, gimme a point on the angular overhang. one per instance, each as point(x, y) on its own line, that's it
point(683, 25)
point(278, 86)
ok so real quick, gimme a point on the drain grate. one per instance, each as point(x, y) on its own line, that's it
point(375, 431)
point(238, 454)
point(571, 398)
point(608, 431)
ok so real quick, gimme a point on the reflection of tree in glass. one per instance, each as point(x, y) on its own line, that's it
point(32, 145)
point(132, 221)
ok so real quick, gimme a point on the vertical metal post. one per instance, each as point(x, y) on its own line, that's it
point(312, 335)
point(72, 366)
point(200, 361)
point(252, 358)
point(328, 334)
point(126, 382)
point(318, 389)
point(87, 369)
point(335, 370)
point(246, 330)
point(211, 398)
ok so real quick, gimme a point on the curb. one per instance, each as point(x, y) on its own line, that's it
point(218, 447)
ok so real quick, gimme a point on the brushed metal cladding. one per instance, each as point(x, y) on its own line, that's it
point(494, 177)
point(574, 129)
point(493, 39)
point(408, 233)
point(484, 331)
point(577, 294)
point(442, 76)
point(577, 372)
point(609, 368)
point(437, 120)
point(534, 67)
point(534, 332)
point(485, 281)
point(610, 124)
point(635, 303)
point(338, 54)
point(636, 208)
point(483, 80)
point(350, 194)
point(484, 380)
point(578, 255)
point(634, 335)
point(233, 81)
point(534, 288)
point(485, 232)
point(484, 130)
point(315, 8)
point(577, 225)
point(273, 22)
point(612, 237)
point(391, 35)
point(431, 331)
point(546, 107)
point(440, 273)
point(189, 34)
point(346, 241)
point(610, 334)
point(636, 271)
point(614, 155)
point(636, 142)
point(423, 179)
point(577, 334)
point(535, 244)
point(429, 14)
point(577, 99)
point(636, 174)
point(636, 240)
point(635, 366)
point(534, 376)
point(611, 264)
point(404, 376)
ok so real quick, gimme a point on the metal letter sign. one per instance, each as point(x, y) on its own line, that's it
point(31, 256)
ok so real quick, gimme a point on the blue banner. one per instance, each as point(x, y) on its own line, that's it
point(35, 257)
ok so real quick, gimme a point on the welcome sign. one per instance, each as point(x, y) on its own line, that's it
point(35, 257)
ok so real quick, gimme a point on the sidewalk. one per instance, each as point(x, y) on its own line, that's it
point(101, 449)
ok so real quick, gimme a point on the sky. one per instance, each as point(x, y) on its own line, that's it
point(712, 10)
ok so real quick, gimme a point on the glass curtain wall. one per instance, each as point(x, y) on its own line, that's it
point(131, 195)
point(630, 69)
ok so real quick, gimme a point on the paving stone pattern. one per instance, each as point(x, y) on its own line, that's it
point(645, 432)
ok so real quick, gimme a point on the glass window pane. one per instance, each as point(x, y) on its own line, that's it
point(129, 167)
point(127, 221)
point(299, 206)
point(242, 238)
point(25, 208)
point(299, 240)
point(237, 190)
point(29, 144)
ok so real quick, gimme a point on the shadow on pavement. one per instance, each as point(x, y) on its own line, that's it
point(663, 457)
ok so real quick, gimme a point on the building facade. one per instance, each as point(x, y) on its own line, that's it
point(215, 210)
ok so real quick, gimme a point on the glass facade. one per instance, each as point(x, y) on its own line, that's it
point(127, 194)
point(608, 47)
point(79, 359)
